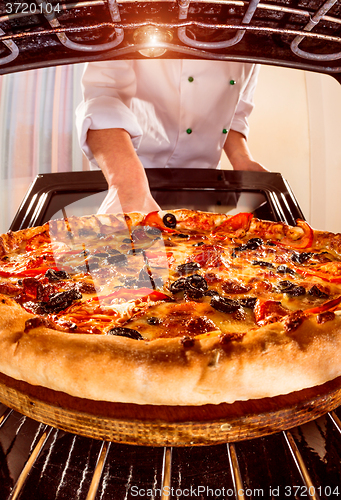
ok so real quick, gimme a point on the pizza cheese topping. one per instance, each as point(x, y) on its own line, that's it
point(184, 274)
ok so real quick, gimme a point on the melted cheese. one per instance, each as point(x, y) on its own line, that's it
point(126, 266)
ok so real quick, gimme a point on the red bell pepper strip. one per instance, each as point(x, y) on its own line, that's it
point(153, 219)
point(319, 274)
point(327, 306)
point(26, 273)
point(132, 293)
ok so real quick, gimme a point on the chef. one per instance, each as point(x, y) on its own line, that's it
point(146, 113)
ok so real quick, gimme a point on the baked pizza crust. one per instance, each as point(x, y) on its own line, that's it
point(265, 363)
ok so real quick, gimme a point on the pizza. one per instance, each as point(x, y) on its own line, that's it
point(170, 308)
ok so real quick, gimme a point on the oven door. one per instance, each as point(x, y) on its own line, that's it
point(268, 196)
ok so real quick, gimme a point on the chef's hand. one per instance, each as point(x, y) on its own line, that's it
point(238, 153)
point(127, 181)
point(115, 203)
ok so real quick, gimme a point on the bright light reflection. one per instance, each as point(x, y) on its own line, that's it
point(153, 37)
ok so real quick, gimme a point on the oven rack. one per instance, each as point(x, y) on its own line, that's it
point(41, 462)
point(307, 36)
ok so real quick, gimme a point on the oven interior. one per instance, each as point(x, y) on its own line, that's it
point(42, 463)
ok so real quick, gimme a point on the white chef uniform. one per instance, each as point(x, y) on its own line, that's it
point(177, 112)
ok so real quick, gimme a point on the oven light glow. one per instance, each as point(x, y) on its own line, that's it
point(152, 38)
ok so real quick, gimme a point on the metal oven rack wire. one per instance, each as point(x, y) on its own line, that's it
point(305, 34)
point(42, 463)
point(38, 462)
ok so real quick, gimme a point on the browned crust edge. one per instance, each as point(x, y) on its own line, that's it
point(267, 362)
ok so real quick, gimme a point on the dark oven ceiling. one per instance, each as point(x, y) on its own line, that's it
point(300, 34)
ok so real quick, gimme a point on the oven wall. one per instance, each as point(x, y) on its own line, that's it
point(37, 132)
point(295, 129)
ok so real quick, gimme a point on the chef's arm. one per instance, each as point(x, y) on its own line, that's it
point(238, 153)
point(128, 185)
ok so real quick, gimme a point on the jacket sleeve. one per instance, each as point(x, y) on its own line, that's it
point(108, 88)
point(245, 104)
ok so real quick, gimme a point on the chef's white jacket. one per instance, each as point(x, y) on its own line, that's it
point(177, 112)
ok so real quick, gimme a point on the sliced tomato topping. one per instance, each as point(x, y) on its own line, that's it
point(209, 256)
point(239, 221)
point(153, 219)
point(269, 311)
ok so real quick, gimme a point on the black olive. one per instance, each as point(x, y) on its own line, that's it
point(93, 263)
point(178, 285)
point(196, 282)
point(254, 243)
point(113, 251)
point(53, 275)
point(143, 275)
point(286, 284)
point(248, 302)
point(59, 301)
point(169, 220)
point(211, 293)
point(158, 281)
point(291, 289)
point(101, 254)
point(192, 294)
point(117, 259)
point(154, 321)
point(126, 240)
point(68, 295)
point(263, 263)
point(85, 231)
point(121, 331)
point(194, 285)
point(297, 291)
point(223, 304)
point(316, 292)
point(188, 267)
point(181, 235)
point(198, 244)
point(282, 269)
point(82, 269)
point(85, 287)
point(150, 281)
point(134, 251)
point(300, 258)
point(152, 231)
point(132, 283)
